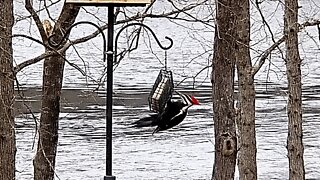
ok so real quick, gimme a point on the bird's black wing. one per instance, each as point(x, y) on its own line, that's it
point(147, 121)
point(171, 116)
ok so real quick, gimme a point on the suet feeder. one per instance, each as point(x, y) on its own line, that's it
point(161, 91)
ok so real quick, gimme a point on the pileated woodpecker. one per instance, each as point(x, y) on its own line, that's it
point(173, 114)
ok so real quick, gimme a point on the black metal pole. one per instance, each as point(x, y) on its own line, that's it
point(110, 55)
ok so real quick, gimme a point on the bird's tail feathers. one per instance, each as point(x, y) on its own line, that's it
point(146, 121)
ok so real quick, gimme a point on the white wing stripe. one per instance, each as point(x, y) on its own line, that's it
point(180, 113)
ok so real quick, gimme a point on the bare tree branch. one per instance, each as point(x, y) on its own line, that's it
point(46, 54)
point(265, 55)
point(313, 22)
point(267, 52)
point(20, 18)
point(268, 26)
point(174, 14)
point(37, 20)
point(29, 62)
point(189, 15)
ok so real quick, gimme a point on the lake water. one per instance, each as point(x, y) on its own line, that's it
point(187, 151)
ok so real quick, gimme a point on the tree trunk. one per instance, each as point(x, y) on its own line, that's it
point(223, 91)
point(7, 126)
point(293, 62)
point(246, 113)
point(44, 162)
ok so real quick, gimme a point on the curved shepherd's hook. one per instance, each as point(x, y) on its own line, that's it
point(56, 45)
point(147, 27)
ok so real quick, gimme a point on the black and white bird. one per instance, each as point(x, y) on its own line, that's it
point(173, 114)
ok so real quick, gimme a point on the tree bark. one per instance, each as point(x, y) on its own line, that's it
point(294, 109)
point(223, 91)
point(246, 100)
point(44, 162)
point(7, 126)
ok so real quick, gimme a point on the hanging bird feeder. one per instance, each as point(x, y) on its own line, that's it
point(162, 90)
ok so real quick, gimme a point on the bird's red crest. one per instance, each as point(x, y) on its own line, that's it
point(195, 101)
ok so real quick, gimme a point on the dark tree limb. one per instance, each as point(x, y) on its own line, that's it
point(29, 62)
point(266, 54)
point(36, 18)
point(277, 43)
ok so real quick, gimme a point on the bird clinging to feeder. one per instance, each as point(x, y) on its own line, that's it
point(173, 114)
point(169, 113)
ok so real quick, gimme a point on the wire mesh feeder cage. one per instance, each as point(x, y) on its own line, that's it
point(161, 91)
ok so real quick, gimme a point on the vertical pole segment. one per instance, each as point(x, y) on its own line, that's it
point(110, 56)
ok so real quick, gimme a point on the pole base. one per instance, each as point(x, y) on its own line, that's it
point(109, 177)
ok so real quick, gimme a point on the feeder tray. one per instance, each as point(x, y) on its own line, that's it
point(161, 91)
